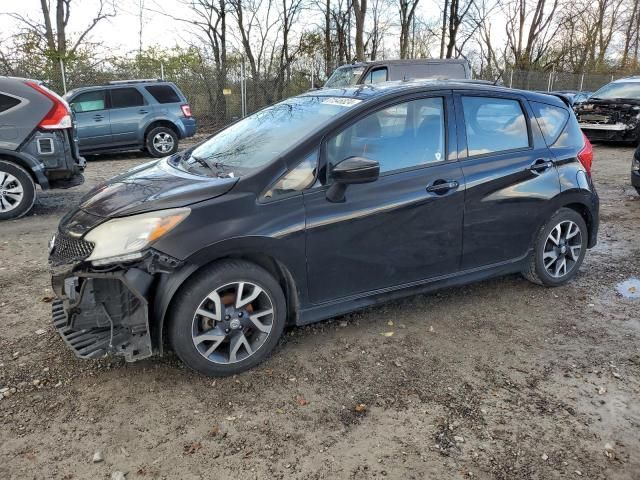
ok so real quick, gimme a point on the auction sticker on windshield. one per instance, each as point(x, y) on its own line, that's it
point(342, 101)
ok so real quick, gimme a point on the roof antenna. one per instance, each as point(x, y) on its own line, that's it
point(495, 82)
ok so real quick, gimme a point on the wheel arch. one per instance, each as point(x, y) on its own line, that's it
point(587, 216)
point(34, 168)
point(171, 284)
point(160, 123)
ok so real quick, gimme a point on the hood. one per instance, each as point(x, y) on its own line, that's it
point(152, 186)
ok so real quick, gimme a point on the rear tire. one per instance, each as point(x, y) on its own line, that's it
point(17, 191)
point(558, 250)
point(161, 142)
point(227, 318)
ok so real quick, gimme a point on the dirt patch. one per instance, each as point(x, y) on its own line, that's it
point(501, 379)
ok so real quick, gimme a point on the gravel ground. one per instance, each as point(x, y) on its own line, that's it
point(501, 379)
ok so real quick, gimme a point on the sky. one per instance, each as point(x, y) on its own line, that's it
point(120, 34)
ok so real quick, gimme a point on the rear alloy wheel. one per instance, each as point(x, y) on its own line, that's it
point(17, 191)
point(161, 142)
point(227, 318)
point(559, 249)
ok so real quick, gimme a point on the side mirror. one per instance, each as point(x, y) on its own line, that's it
point(350, 171)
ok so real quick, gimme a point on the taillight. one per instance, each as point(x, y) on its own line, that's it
point(60, 114)
point(586, 155)
point(186, 110)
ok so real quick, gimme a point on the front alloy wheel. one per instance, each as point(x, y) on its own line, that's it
point(232, 322)
point(227, 318)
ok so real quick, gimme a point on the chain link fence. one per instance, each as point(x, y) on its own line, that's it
point(554, 81)
point(215, 103)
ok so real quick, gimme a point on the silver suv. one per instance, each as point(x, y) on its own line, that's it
point(152, 115)
point(37, 145)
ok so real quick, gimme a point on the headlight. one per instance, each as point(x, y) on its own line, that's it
point(123, 239)
point(635, 165)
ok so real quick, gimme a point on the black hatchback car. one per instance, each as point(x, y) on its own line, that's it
point(320, 205)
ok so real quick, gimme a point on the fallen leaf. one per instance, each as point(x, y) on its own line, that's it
point(360, 408)
point(192, 448)
point(47, 299)
point(214, 431)
point(387, 334)
point(302, 401)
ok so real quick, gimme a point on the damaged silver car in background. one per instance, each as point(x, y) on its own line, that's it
point(613, 112)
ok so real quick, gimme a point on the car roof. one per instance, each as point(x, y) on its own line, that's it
point(634, 79)
point(384, 89)
point(415, 61)
point(117, 84)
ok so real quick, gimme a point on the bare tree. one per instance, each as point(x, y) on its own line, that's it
point(210, 19)
point(52, 28)
point(530, 30)
point(360, 12)
point(407, 10)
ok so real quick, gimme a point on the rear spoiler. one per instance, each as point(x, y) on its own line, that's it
point(561, 96)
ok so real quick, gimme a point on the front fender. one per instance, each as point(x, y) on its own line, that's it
point(245, 247)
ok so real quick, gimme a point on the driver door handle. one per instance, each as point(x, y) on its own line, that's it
point(442, 186)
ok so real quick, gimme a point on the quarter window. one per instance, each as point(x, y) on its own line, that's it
point(494, 125)
point(405, 135)
point(126, 97)
point(551, 119)
point(7, 102)
point(89, 102)
point(297, 179)
point(163, 93)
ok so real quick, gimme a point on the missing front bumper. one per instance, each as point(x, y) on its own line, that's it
point(105, 313)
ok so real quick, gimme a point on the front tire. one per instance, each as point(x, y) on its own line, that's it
point(161, 142)
point(17, 191)
point(227, 318)
point(559, 249)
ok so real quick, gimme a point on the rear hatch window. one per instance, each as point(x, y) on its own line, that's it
point(163, 93)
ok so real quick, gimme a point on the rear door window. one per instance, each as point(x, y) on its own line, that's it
point(89, 101)
point(7, 102)
point(163, 93)
point(494, 125)
point(551, 119)
point(126, 97)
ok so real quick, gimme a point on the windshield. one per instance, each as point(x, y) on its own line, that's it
point(263, 136)
point(619, 90)
point(344, 77)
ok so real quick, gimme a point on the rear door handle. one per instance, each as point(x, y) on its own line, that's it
point(442, 186)
point(98, 118)
point(540, 165)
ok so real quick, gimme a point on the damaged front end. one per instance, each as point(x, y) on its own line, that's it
point(610, 120)
point(101, 310)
